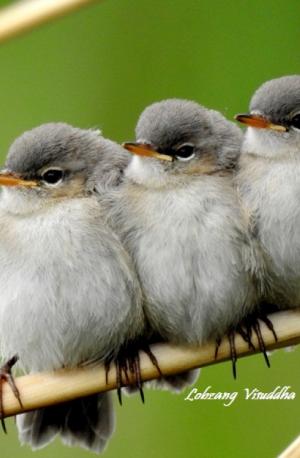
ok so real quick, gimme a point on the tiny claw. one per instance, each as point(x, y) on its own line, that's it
point(128, 362)
point(119, 392)
point(3, 425)
point(251, 323)
point(107, 369)
point(119, 381)
point(269, 325)
point(142, 394)
point(261, 342)
point(134, 368)
point(218, 343)
point(126, 368)
point(246, 335)
point(232, 352)
point(137, 374)
point(6, 376)
point(249, 335)
point(146, 349)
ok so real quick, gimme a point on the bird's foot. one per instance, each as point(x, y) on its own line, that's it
point(233, 354)
point(246, 328)
point(252, 323)
point(6, 376)
point(128, 368)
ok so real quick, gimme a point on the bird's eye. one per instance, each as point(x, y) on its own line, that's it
point(295, 121)
point(52, 176)
point(185, 152)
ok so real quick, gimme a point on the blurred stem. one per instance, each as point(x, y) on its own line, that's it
point(24, 15)
point(44, 389)
point(292, 451)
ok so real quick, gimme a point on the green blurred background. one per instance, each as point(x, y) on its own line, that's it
point(101, 67)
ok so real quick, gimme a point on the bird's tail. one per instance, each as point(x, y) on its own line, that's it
point(86, 422)
point(176, 383)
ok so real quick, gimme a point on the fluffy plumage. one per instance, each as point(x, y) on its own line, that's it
point(183, 225)
point(269, 184)
point(69, 290)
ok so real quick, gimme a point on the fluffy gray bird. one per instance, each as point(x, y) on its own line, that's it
point(269, 183)
point(179, 216)
point(69, 293)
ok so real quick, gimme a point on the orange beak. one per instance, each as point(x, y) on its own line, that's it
point(10, 179)
point(258, 121)
point(145, 149)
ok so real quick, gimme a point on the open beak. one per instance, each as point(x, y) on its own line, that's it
point(259, 122)
point(10, 179)
point(145, 149)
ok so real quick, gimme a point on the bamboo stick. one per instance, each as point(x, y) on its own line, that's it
point(24, 15)
point(44, 389)
point(293, 450)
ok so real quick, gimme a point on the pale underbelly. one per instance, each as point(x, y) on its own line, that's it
point(49, 332)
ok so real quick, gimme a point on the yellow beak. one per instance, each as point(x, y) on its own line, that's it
point(144, 149)
point(259, 122)
point(10, 179)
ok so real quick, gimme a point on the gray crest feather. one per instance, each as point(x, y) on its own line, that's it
point(278, 98)
point(175, 121)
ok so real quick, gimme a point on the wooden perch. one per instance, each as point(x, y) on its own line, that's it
point(25, 15)
point(293, 450)
point(44, 389)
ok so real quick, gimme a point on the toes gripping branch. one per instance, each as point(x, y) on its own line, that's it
point(249, 326)
point(128, 368)
point(6, 377)
point(40, 390)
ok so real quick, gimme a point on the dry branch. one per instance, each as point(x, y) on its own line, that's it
point(27, 14)
point(293, 450)
point(44, 389)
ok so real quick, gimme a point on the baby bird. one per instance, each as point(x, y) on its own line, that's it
point(69, 292)
point(179, 216)
point(269, 183)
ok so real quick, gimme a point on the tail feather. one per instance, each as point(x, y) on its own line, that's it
point(86, 422)
point(175, 383)
point(89, 423)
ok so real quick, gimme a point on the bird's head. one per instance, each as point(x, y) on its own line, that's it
point(57, 161)
point(274, 118)
point(179, 137)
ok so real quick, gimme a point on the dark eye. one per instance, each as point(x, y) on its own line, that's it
point(52, 176)
point(185, 152)
point(295, 122)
